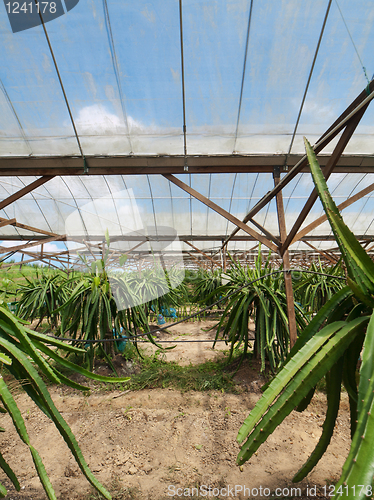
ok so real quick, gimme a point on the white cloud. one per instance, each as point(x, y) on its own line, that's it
point(95, 217)
point(8, 244)
point(47, 248)
point(97, 120)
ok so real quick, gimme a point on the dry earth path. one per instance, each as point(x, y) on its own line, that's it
point(153, 443)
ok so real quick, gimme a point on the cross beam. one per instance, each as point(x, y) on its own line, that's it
point(340, 207)
point(338, 150)
point(360, 102)
point(30, 187)
point(221, 211)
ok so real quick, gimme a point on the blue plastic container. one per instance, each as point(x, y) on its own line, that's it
point(161, 320)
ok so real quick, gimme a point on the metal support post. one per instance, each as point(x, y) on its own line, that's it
point(286, 261)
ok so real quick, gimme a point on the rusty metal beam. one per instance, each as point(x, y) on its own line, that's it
point(338, 150)
point(340, 207)
point(286, 263)
point(16, 196)
point(325, 139)
point(140, 165)
point(29, 245)
point(221, 211)
point(202, 253)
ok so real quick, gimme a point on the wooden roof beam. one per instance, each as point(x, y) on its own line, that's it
point(27, 189)
point(14, 222)
point(323, 253)
point(361, 101)
point(221, 211)
point(7, 222)
point(202, 253)
point(340, 207)
point(338, 150)
point(29, 245)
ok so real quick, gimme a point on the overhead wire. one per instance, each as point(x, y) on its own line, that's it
point(9, 101)
point(230, 204)
point(363, 69)
point(308, 81)
point(354, 46)
point(63, 90)
point(184, 104)
point(116, 69)
point(38, 205)
point(183, 86)
point(243, 75)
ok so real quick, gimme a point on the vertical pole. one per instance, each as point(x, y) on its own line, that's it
point(224, 264)
point(286, 261)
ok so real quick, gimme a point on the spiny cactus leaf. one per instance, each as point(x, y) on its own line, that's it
point(42, 473)
point(307, 376)
point(358, 469)
point(13, 410)
point(285, 375)
point(3, 491)
point(359, 265)
point(43, 399)
point(68, 364)
point(5, 359)
point(9, 472)
point(333, 386)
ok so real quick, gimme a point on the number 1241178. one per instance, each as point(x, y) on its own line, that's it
point(358, 489)
point(18, 8)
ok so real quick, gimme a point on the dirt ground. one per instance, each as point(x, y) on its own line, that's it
point(149, 443)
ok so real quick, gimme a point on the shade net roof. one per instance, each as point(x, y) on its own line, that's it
point(105, 79)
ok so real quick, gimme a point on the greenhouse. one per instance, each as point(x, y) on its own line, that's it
point(185, 171)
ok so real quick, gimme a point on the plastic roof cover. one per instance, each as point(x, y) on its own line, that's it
point(246, 68)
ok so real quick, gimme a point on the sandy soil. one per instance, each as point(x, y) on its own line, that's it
point(191, 352)
point(146, 444)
